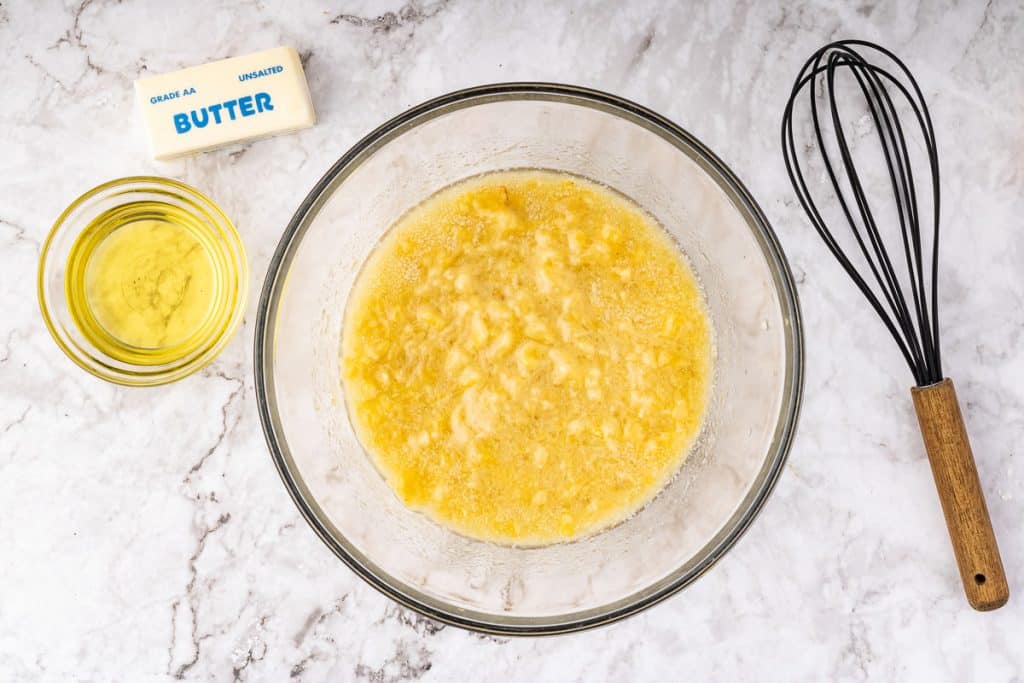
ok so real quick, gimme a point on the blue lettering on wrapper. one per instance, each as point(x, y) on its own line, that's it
point(200, 122)
point(261, 73)
point(248, 105)
point(164, 97)
point(263, 102)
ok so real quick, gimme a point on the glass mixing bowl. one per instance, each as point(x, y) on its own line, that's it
point(750, 419)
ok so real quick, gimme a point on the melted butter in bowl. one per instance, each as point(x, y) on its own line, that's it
point(527, 357)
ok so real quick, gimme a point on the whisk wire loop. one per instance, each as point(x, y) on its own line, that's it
point(911, 319)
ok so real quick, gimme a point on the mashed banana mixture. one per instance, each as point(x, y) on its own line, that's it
point(527, 357)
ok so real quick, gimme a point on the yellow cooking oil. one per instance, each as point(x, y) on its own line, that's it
point(145, 283)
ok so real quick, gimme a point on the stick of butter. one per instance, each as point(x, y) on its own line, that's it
point(224, 102)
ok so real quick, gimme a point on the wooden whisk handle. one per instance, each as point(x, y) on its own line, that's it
point(963, 502)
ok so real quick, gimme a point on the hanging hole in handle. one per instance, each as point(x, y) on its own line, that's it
point(979, 579)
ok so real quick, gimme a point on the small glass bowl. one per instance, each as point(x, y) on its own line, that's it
point(149, 366)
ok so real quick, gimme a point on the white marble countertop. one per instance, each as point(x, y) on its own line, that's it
point(145, 534)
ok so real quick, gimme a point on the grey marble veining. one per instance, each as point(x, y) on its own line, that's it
point(145, 534)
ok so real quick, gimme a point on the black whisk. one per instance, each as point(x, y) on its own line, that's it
point(903, 292)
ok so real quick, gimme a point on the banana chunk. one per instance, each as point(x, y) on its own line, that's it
point(526, 357)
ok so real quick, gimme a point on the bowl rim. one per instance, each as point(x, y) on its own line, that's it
point(785, 428)
point(143, 377)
